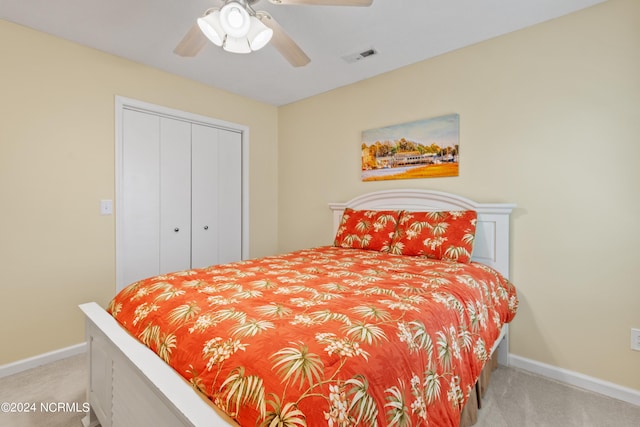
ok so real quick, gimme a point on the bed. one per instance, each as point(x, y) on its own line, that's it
point(385, 327)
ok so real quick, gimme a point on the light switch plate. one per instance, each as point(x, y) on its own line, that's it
point(635, 339)
point(106, 207)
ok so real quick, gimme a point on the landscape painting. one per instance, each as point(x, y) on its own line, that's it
point(426, 148)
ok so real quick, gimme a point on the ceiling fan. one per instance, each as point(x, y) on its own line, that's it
point(236, 27)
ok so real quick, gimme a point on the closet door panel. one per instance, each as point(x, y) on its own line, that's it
point(140, 188)
point(206, 183)
point(175, 195)
point(230, 196)
point(179, 192)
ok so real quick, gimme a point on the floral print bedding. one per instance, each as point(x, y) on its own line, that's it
point(325, 336)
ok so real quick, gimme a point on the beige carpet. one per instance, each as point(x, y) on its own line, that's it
point(60, 382)
point(515, 399)
point(519, 399)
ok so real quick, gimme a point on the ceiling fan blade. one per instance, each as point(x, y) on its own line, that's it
point(192, 43)
point(285, 44)
point(326, 2)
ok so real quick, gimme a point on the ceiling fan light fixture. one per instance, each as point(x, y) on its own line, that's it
point(210, 26)
point(238, 28)
point(234, 19)
point(259, 34)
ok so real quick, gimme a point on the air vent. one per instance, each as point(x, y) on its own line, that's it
point(356, 57)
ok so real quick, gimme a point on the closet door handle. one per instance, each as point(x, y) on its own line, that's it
point(206, 227)
point(176, 229)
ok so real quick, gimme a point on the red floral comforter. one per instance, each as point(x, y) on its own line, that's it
point(325, 336)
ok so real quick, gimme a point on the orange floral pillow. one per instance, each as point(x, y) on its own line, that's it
point(446, 235)
point(367, 229)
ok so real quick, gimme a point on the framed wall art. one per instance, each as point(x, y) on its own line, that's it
point(427, 148)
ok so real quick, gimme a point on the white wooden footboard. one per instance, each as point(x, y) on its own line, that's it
point(129, 385)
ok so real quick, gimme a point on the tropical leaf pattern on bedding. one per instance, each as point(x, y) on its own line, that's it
point(325, 336)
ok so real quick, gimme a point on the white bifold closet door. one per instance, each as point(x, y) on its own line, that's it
point(182, 195)
point(216, 215)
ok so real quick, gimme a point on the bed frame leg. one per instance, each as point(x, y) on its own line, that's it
point(503, 349)
point(90, 420)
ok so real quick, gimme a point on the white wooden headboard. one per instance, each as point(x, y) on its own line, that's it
point(491, 246)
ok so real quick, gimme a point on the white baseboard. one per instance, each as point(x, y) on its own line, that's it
point(576, 379)
point(42, 359)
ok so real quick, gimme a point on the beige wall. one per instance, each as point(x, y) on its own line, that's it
point(57, 163)
point(550, 120)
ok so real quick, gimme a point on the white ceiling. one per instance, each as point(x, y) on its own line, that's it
point(402, 31)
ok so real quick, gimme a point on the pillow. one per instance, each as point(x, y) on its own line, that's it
point(367, 229)
point(446, 235)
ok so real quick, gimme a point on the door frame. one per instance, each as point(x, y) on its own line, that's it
point(123, 103)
